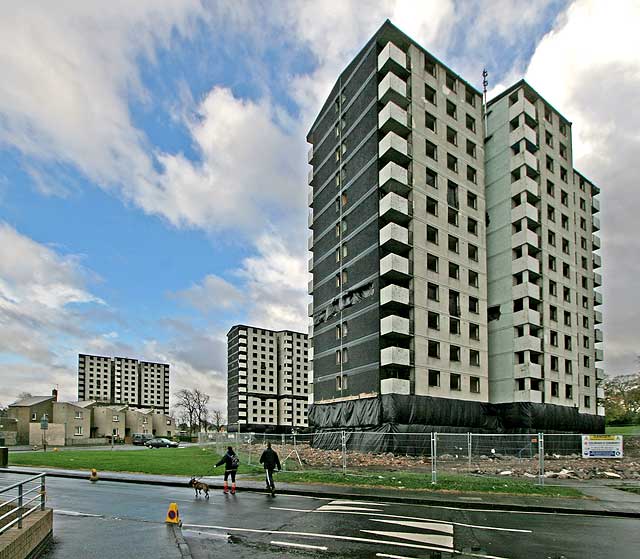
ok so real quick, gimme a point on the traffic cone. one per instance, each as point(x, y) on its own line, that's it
point(94, 475)
point(173, 516)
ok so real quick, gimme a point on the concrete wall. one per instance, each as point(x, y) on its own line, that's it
point(25, 416)
point(36, 532)
point(54, 435)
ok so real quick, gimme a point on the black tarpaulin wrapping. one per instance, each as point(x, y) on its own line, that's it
point(361, 413)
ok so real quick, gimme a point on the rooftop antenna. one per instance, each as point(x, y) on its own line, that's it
point(485, 83)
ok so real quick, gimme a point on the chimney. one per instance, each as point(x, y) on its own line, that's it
point(54, 393)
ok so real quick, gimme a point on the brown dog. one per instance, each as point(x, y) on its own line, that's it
point(200, 487)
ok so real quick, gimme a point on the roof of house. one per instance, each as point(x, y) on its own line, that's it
point(31, 401)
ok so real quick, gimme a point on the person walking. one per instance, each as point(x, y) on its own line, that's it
point(271, 462)
point(231, 463)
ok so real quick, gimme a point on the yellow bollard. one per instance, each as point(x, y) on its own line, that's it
point(94, 475)
point(173, 516)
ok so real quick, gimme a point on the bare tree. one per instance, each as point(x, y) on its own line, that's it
point(217, 419)
point(24, 395)
point(201, 400)
point(186, 406)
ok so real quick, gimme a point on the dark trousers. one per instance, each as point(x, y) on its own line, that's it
point(269, 478)
point(231, 473)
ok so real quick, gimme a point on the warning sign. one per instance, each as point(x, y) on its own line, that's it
point(602, 446)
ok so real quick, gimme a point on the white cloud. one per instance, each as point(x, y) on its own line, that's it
point(588, 67)
point(211, 294)
point(42, 298)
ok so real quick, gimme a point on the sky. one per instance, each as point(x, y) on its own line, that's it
point(153, 162)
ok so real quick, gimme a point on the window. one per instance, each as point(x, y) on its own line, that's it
point(345, 252)
point(587, 381)
point(550, 189)
point(564, 198)
point(587, 401)
point(337, 230)
point(568, 392)
point(430, 121)
point(567, 318)
point(470, 123)
point(552, 263)
point(338, 254)
point(431, 150)
point(432, 206)
point(78, 432)
point(519, 384)
point(430, 65)
point(432, 234)
point(548, 138)
point(344, 199)
point(454, 326)
point(455, 382)
point(432, 291)
point(345, 277)
point(452, 110)
point(454, 353)
point(474, 331)
point(555, 389)
point(452, 216)
point(568, 368)
point(431, 178)
point(434, 377)
point(553, 313)
point(471, 149)
point(433, 320)
point(430, 94)
point(34, 417)
point(472, 174)
point(453, 244)
point(338, 383)
point(472, 200)
point(567, 342)
point(563, 174)
point(549, 164)
point(472, 226)
point(548, 115)
point(451, 82)
point(473, 279)
point(452, 194)
point(553, 288)
point(474, 358)
point(452, 136)
point(551, 238)
point(454, 271)
point(345, 355)
point(452, 163)
point(433, 349)
point(78, 415)
point(472, 252)
point(115, 418)
point(469, 97)
point(474, 305)
point(338, 357)
point(432, 263)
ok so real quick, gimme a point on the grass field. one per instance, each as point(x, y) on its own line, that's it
point(163, 461)
point(422, 482)
point(623, 430)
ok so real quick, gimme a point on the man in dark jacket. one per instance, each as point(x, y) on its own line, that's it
point(271, 462)
point(230, 461)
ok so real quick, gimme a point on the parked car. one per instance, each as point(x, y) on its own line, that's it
point(141, 438)
point(161, 442)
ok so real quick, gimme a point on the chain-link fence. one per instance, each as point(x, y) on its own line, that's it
point(529, 456)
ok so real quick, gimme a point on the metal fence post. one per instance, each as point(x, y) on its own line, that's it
point(541, 458)
point(43, 493)
point(344, 453)
point(469, 447)
point(20, 506)
point(434, 474)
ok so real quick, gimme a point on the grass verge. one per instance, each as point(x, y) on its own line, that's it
point(635, 490)
point(415, 481)
point(623, 429)
point(189, 461)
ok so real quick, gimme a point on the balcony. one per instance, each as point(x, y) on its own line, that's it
point(393, 178)
point(310, 220)
point(310, 154)
point(524, 158)
point(394, 267)
point(598, 335)
point(523, 132)
point(528, 370)
point(595, 205)
point(394, 89)
point(597, 261)
point(310, 177)
point(599, 354)
point(395, 327)
point(525, 263)
point(526, 316)
point(395, 386)
point(524, 211)
point(595, 240)
point(394, 356)
point(526, 289)
point(597, 317)
point(527, 343)
point(597, 279)
point(600, 392)
point(310, 242)
point(597, 298)
point(525, 237)
point(395, 208)
point(393, 59)
point(527, 185)
point(595, 223)
point(394, 296)
point(310, 309)
point(522, 105)
point(310, 287)
point(600, 374)
point(310, 267)
point(534, 396)
point(393, 119)
point(393, 148)
point(310, 198)
point(395, 238)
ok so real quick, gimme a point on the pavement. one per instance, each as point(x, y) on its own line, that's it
point(602, 497)
point(114, 519)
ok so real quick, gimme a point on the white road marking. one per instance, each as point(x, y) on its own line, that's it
point(364, 503)
point(466, 554)
point(434, 539)
point(300, 545)
point(74, 513)
point(331, 508)
point(434, 526)
point(292, 510)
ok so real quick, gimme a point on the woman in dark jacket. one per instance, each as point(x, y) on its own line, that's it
point(230, 461)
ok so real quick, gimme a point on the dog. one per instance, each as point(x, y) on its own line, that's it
point(199, 487)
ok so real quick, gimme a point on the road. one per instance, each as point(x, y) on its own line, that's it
point(110, 519)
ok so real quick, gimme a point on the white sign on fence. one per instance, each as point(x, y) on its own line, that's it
point(602, 446)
